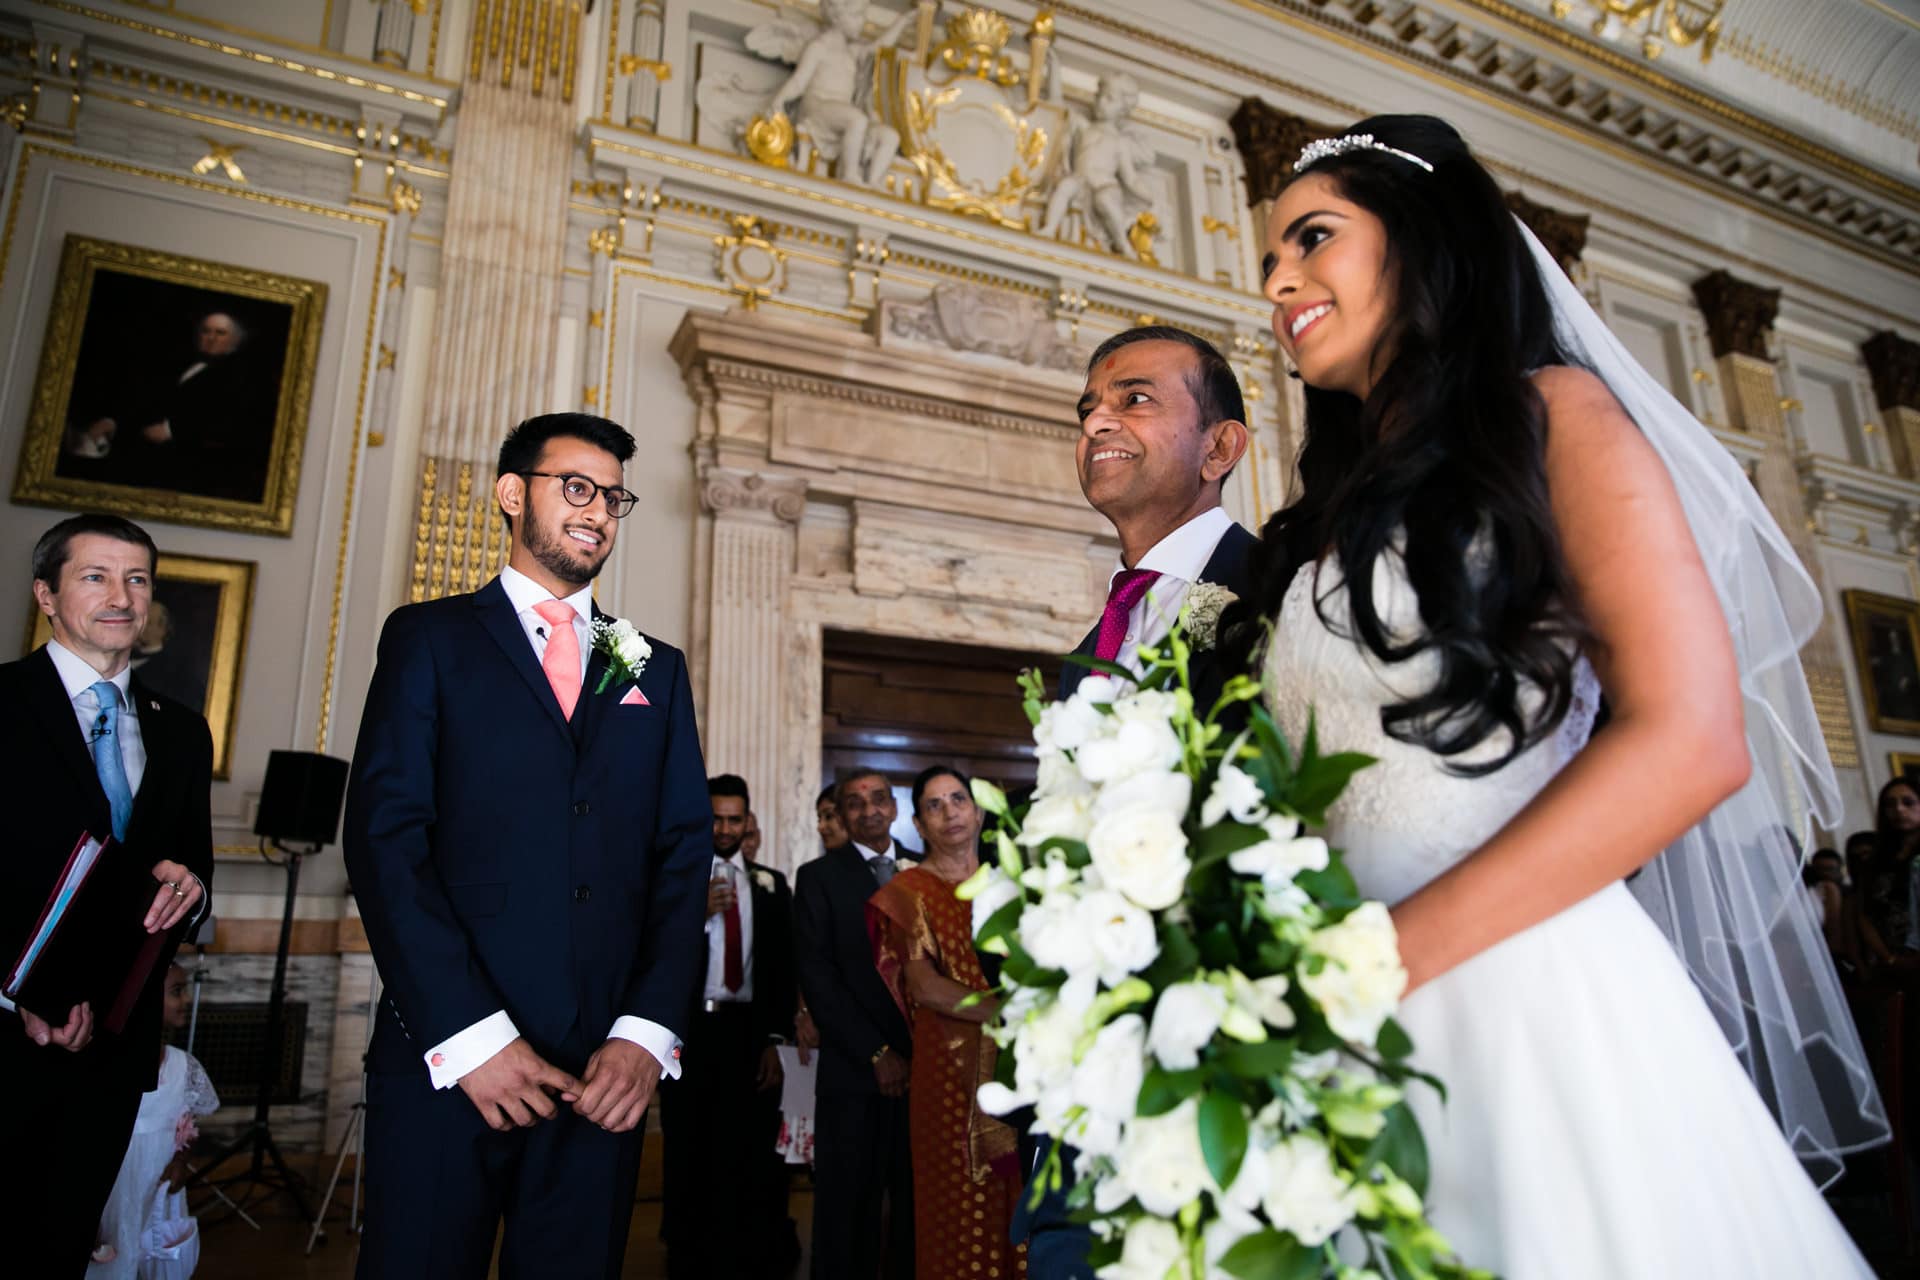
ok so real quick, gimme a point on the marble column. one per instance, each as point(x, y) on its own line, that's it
point(747, 674)
point(494, 336)
point(643, 90)
point(1739, 318)
point(393, 33)
point(1893, 362)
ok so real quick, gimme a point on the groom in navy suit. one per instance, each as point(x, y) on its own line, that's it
point(530, 852)
point(1162, 423)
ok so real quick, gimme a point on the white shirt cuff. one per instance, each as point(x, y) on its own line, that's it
point(654, 1038)
point(464, 1051)
point(7, 1005)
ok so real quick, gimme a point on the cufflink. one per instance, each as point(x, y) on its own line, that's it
point(439, 1059)
point(676, 1053)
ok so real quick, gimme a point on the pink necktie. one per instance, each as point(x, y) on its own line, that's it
point(561, 661)
point(1128, 586)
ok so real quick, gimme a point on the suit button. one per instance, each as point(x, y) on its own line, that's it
point(582, 809)
point(581, 893)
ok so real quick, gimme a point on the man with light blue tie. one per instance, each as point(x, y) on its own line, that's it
point(89, 749)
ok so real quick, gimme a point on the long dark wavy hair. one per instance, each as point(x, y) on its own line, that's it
point(1447, 448)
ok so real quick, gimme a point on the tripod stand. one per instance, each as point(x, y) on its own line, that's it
point(258, 1135)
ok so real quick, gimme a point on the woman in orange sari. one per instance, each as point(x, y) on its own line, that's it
point(965, 1172)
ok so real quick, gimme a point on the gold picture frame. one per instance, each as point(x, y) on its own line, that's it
point(172, 388)
point(1905, 764)
point(1886, 651)
point(201, 608)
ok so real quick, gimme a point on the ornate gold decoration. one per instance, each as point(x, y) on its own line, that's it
point(15, 112)
point(396, 278)
point(590, 397)
point(770, 139)
point(1850, 98)
point(975, 38)
point(1684, 22)
point(1141, 235)
point(220, 156)
point(632, 62)
point(943, 186)
point(1211, 224)
point(1828, 689)
point(81, 260)
point(1789, 404)
point(1270, 140)
point(1145, 318)
point(1039, 41)
point(386, 358)
point(1563, 234)
point(748, 262)
point(541, 37)
point(596, 319)
point(604, 240)
point(404, 198)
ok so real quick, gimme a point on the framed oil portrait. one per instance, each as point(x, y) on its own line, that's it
point(1905, 765)
point(1886, 637)
point(173, 388)
point(195, 642)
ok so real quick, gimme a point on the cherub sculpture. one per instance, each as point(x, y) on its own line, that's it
point(1105, 157)
point(832, 82)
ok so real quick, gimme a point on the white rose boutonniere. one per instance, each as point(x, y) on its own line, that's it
point(1204, 605)
point(764, 879)
point(625, 648)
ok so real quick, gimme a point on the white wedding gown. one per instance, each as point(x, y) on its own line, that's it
point(1598, 1125)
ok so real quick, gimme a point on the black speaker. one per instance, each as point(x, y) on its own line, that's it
point(300, 803)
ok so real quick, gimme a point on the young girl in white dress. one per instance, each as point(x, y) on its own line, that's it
point(1501, 519)
point(146, 1231)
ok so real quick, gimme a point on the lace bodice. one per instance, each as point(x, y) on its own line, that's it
point(1406, 819)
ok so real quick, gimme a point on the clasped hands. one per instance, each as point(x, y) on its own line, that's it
point(179, 893)
point(512, 1087)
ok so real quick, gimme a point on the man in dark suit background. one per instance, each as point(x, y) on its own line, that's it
point(726, 1204)
point(860, 1153)
point(530, 854)
point(1162, 423)
point(89, 748)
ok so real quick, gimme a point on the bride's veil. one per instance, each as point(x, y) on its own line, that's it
point(1728, 893)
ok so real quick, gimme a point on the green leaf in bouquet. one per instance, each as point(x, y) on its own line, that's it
point(1401, 1147)
point(1103, 666)
point(999, 926)
point(1332, 886)
point(1222, 840)
point(1074, 851)
point(1163, 1090)
point(1177, 960)
point(1271, 1255)
point(1223, 1135)
point(1104, 1253)
point(1217, 947)
point(1257, 1061)
point(1320, 780)
point(1393, 1041)
point(1009, 854)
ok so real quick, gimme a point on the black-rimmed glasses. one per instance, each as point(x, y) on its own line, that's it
point(580, 492)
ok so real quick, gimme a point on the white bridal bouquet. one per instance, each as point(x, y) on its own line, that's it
point(1196, 999)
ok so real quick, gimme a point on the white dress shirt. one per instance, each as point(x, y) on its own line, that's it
point(463, 1051)
point(734, 869)
point(78, 677)
point(1179, 558)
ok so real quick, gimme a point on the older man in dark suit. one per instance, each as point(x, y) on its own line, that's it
point(89, 748)
point(529, 839)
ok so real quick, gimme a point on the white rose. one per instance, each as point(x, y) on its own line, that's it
point(1151, 706)
point(1160, 1161)
point(1043, 1052)
point(1142, 852)
point(1283, 854)
point(1305, 1193)
point(1108, 1077)
point(1122, 935)
point(1171, 792)
point(1138, 746)
point(1059, 777)
point(994, 891)
point(1065, 725)
point(1236, 793)
point(1151, 1250)
point(1360, 985)
point(1261, 998)
point(996, 1099)
point(1066, 816)
point(1053, 935)
point(1184, 1021)
point(1097, 689)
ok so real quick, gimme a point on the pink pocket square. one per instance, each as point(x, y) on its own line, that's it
point(635, 698)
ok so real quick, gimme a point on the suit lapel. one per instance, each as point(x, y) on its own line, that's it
point(495, 612)
point(47, 700)
point(1072, 673)
point(156, 728)
point(1228, 565)
point(591, 709)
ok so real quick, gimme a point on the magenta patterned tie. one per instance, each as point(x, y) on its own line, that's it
point(1128, 586)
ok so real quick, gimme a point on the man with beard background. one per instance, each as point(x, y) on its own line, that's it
point(530, 854)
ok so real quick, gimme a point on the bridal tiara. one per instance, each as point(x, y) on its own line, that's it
point(1314, 152)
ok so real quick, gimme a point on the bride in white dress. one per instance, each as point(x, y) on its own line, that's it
point(1531, 534)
